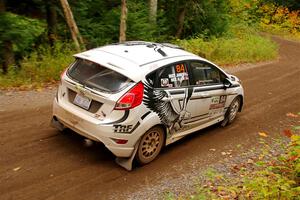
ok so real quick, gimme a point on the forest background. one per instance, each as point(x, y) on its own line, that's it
point(36, 43)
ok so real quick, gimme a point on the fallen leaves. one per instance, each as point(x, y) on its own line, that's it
point(16, 169)
point(262, 134)
point(292, 115)
point(288, 133)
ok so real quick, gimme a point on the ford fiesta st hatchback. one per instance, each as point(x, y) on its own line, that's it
point(136, 97)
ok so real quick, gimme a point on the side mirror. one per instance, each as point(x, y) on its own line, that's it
point(227, 83)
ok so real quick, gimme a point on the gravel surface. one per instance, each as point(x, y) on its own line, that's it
point(38, 162)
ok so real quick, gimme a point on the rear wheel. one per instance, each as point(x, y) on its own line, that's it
point(232, 111)
point(150, 145)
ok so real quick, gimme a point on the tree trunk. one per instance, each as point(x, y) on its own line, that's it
point(72, 24)
point(123, 18)
point(8, 56)
point(180, 20)
point(2, 6)
point(51, 21)
point(7, 53)
point(152, 11)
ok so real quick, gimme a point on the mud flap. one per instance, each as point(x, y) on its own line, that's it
point(225, 121)
point(127, 162)
point(56, 124)
point(226, 118)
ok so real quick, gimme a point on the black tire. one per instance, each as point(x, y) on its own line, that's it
point(232, 111)
point(150, 145)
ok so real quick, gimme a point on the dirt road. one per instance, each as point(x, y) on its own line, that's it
point(38, 162)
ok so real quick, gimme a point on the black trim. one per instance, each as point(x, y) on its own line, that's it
point(234, 86)
point(145, 115)
point(196, 98)
point(135, 127)
point(176, 92)
point(125, 116)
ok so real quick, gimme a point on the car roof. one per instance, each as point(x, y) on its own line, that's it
point(128, 58)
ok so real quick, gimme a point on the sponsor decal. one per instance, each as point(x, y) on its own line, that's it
point(119, 128)
point(122, 128)
point(164, 82)
point(217, 105)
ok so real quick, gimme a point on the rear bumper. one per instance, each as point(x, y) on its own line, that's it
point(62, 119)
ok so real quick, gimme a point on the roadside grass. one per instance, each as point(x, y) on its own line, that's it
point(274, 174)
point(281, 32)
point(42, 67)
point(245, 47)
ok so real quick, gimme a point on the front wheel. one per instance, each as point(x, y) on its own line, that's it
point(232, 111)
point(150, 145)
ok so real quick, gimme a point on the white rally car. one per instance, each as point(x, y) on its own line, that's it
point(136, 97)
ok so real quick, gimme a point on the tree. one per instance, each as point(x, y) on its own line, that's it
point(152, 11)
point(7, 46)
point(123, 18)
point(51, 16)
point(180, 20)
point(72, 24)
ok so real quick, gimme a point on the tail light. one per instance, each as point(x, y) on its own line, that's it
point(132, 98)
point(63, 73)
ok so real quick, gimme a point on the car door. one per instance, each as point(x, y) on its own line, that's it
point(209, 96)
point(170, 95)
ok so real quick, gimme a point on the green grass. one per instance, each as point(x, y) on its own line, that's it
point(243, 48)
point(40, 68)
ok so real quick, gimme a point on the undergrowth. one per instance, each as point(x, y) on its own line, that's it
point(280, 20)
point(42, 67)
point(240, 45)
point(275, 174)
point(244, 47)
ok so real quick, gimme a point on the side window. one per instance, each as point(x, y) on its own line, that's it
point(172, 76)
point(205, 74)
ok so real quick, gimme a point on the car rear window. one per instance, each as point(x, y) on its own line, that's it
point(97, 77)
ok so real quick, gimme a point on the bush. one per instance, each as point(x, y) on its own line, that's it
point(42, 66)
point(243, 48)
point(280, 20)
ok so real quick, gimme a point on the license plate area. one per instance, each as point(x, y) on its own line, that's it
point(82, 101)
